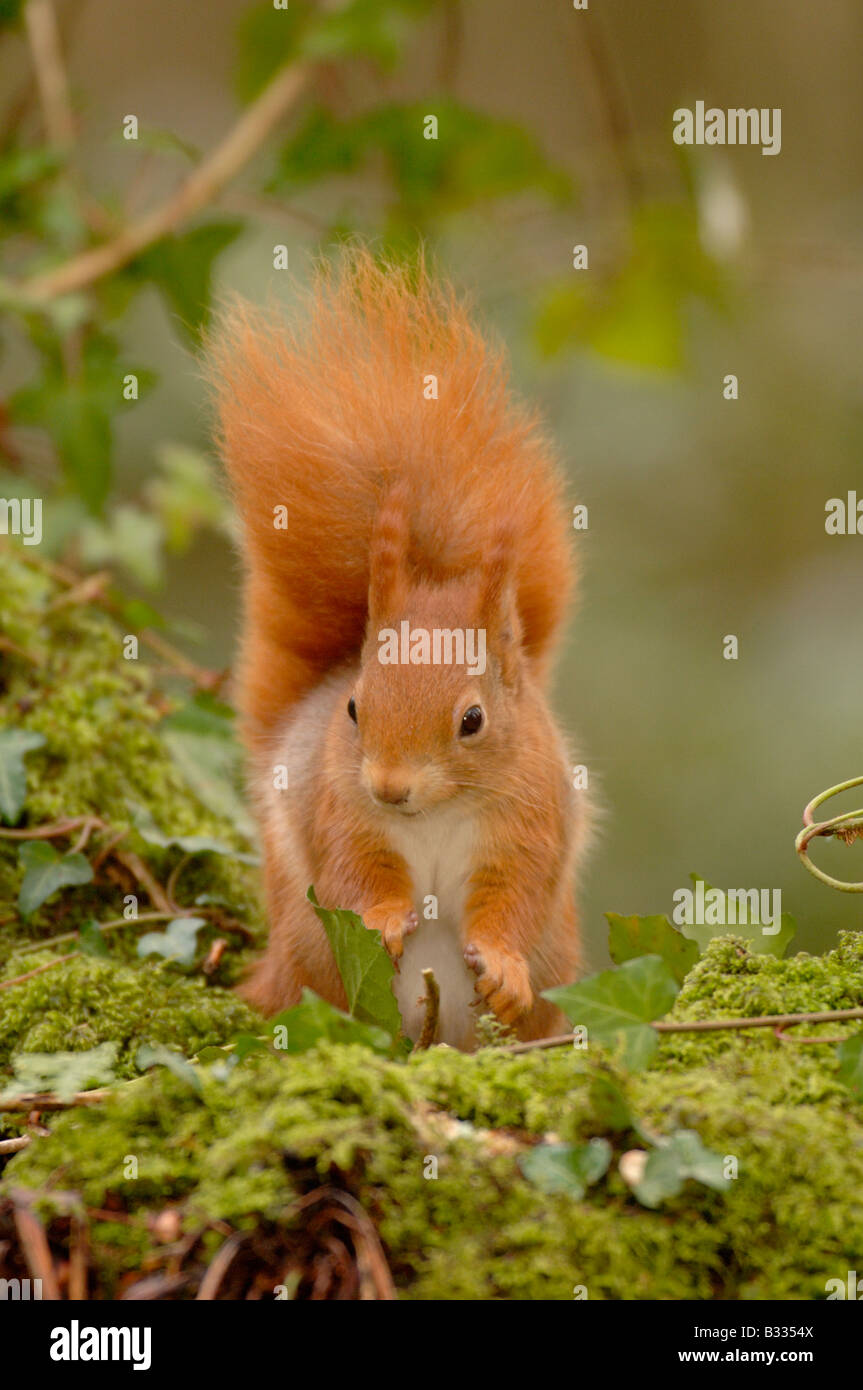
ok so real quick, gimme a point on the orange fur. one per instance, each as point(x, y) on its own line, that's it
point(447, 512)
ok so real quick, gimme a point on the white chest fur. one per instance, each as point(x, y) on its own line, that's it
point(438, 850)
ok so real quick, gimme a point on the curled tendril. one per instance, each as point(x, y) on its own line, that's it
point(847, 827)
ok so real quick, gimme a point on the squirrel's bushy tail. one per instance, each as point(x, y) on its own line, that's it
point(382, 379)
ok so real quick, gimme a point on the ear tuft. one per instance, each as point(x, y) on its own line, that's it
point(389, 552)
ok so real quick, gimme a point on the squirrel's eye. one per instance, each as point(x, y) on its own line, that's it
point(352, 709)
point(471, 721)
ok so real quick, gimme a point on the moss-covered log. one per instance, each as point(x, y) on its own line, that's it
point(339, 1171)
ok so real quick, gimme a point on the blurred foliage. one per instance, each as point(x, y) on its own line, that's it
point(632, 310)
point(637, 315)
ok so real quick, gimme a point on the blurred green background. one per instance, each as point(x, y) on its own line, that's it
point(706, 515)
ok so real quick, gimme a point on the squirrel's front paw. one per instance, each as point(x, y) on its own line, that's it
point(502, 980)
point(394, 920)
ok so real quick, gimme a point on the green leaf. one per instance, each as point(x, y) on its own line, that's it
point(630, 937)
point(566, 1168)
point(850, 1054)
point(637, 311)
point(182, 268)
point(77, 412)
point(63, 1073)
point(267, 39)
point(178, 943)
point(10, 12)
point(672, 1162)
point(20, 171)
point(366, 970)
point(159, 1056)
point(129, 536)
point(374, 29)
point(610, 1106)
point(474, 158)
point(314, 1020)
point(91, 940)
point(189, 844)
point(14, 743)
point(185, 495)
point(45, 871)
point(209, 762)
point(758, 942)
point(620, 1004)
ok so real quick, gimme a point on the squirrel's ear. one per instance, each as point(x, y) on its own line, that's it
point(388, 554)
point(498, 605)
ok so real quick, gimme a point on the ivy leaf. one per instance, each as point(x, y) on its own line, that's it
point(610, 1105)
point(374, 29)
point(267, 38)
point(63, 1073)
point(566, 1168)
point(159, 1056)
point(758, 942)
point(21, 173)
point(91, 940)
point(45, 871)
point(78, 413)
point(850, 1054)
point(128, 536)
point(314, 1020)
point(178, 943)
point(10, 12)
point(672, 1162)
point(14, 743)
point(638, 313)
point(182, 268)
point(189, 844)
point(630, 937)
point(366, 970)
point(620, 1004)
point(200, 738)
point(185, 495)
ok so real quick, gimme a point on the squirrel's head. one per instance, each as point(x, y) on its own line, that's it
point(433, 713)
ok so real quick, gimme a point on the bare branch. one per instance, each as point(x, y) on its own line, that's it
point(200, 188)
point(44, 36)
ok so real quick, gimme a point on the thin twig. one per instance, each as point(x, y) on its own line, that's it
point(200, 676)
point(220, 1264)
point(706, 1025)
point(35, 1247)
point(14, 1146)
point(46, 1100)
point(79, 1250)
point(174, 875)
point(48, 832)
point(200, 188)
point(44, 36)
point(115, 922)
point(156, 893)
point(91, 588)
point(429, 1033)
point(40, 969)
point(7, 645)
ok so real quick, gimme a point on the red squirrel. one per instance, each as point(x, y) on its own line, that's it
point(397, 506)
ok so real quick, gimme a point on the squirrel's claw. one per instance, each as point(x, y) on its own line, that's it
point(394, 921)
point(503, 981)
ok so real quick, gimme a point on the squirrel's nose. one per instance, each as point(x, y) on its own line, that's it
point(391, 786)
point(393, 793)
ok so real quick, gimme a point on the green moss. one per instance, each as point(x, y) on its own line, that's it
point(87, 1002)
point(729, 982)
point(259, 1136)
point(792, 1218)
point(100, 717)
